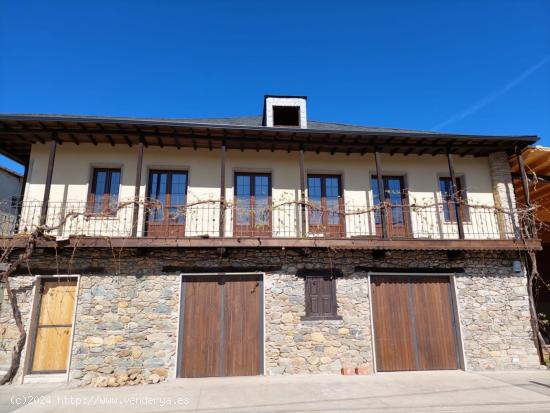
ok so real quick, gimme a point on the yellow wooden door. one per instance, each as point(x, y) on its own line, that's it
point(55, 323)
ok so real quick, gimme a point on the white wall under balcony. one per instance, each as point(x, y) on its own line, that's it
point(74, 164)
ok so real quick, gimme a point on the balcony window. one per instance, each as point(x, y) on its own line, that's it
point(252, 204)
point(104, 193)
point(449, 209)
point(167, 199)
point(326, 205)
point(395, 197)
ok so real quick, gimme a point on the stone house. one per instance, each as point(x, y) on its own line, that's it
point(268, 244)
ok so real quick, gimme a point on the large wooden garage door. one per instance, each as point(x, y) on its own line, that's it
point(222, 326)
point(414, 323)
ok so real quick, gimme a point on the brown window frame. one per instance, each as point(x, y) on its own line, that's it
point(395, 230)
point(447, 200)
point(319, 315)
point(106, 209)
point(324, 228)
point(250, 229)
point(166, 227)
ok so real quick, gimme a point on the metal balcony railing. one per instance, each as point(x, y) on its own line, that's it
point(207, 219)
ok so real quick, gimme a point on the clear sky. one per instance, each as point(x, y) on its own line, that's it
point(463, 66)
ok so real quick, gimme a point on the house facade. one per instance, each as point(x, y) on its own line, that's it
point(263, 245)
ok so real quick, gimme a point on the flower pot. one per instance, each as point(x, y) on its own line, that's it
point(362, 370)
point(347, 371)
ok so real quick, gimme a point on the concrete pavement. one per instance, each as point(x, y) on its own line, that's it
point(434, 391)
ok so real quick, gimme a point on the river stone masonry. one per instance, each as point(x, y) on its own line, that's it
point(128, 309)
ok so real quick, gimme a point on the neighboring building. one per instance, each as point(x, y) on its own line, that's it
point(537, 166)
point(10, 194)
point(265, 245)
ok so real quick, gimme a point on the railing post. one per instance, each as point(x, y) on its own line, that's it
point(135, 212)
point(49, 175)
point(303, 193)
point(525, 185)
point(222, 191)
point(456, 201)
point(381, 197)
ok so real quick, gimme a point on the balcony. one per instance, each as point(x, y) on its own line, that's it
point(289, 223)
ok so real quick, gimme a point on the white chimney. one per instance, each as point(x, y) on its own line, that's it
point(285, 111)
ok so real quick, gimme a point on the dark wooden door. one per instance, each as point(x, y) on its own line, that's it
point(414, 323)
point(252, 210)
point(242, 344)
point(397, 211)
point(166, 208)
point(326, 205)
point(222, 326)
point(201, 328)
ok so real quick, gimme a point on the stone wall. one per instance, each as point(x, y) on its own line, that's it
point(127, 315)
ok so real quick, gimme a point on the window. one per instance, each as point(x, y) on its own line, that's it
point(168, 196)
point(449, 212)
point(320, 293)
point(252, 204)
point(327, 205)
point(104, 193)
point(395, 195)
point(286, 116)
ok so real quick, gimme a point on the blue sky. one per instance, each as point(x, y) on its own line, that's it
point(462, 66)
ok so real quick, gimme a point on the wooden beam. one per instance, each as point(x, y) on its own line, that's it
point(381, 197)
point(48, 186)
point(303, 193)
point(222, 192)
point(359, 243)
point(137, 187)
point(456, 200)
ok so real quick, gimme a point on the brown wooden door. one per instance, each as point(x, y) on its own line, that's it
point(222, 326)
point(52, 334)
point(397, 210)
point(252, 210)
point(166, 212)
point(414, 323)
point(326, 211)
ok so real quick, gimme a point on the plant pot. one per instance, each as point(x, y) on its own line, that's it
point(362, 370)
point(347, 371)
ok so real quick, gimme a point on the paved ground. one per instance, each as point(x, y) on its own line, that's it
point(441, 391)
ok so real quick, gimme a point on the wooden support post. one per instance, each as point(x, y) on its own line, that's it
point(303, 193)
point(381, 197)
point(525, 185)
point(222, 191)
point(135, 212)
point(455, 199)
point(49, 175)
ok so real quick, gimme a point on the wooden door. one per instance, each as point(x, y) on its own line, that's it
point(202, 328)
point(54, 323)
point(414, 323)
point(397, 210)
point(436, 337)
point(252, 210)
point(166, 211)
point(242, 344)
point(222, 326)
point(326, 209)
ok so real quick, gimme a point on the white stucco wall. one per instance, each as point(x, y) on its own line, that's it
point(74, 165)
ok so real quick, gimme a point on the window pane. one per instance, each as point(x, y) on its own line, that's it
point(261, 205)
point(376, 200)
point(100, 184)
point(113, 190)
point(314, 198)
point(394, 192)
